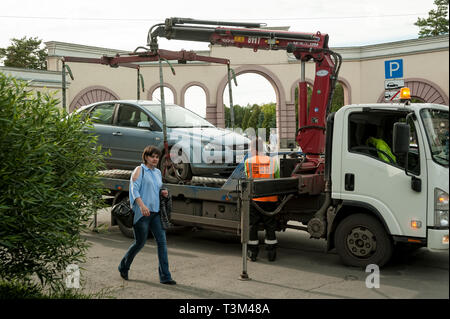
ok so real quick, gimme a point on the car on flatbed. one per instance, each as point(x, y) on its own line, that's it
point(197, 147)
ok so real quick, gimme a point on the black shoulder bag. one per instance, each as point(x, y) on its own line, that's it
point(123, 211)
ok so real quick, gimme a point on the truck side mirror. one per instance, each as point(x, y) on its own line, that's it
point(401, 146)
point(401, 138)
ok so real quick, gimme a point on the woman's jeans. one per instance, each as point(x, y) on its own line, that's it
point(141, 228)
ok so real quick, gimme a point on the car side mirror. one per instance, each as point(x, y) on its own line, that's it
point(144, 124)
point(401, 138)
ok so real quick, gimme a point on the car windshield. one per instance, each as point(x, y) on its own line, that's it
point(436, 127)
point(177, 116)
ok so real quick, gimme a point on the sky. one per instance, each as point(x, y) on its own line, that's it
point(113, 24)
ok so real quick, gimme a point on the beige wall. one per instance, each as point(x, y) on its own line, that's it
point(362, 74)
point(40, 81)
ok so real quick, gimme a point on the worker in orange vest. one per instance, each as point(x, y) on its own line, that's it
point(259, 165)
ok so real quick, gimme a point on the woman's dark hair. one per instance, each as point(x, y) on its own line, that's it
point(150, 150)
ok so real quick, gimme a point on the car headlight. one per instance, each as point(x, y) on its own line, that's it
point(440, 208)
point(212, 147)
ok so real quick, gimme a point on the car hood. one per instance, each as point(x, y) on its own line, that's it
point(212, 135)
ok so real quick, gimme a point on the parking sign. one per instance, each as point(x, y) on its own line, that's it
point(393, 69)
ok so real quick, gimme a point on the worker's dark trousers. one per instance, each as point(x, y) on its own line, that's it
point(269, 223)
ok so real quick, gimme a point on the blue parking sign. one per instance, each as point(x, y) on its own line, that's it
point(393, 69)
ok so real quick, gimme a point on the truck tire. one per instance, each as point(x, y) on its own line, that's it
point(126, 231)
point(361, 240)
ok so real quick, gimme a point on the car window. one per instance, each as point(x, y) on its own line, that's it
point(147, 122)
point(177, 116)
point(103, 113)
point(131, 116)
point(84, 113)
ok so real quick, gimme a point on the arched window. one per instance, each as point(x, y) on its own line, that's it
point(195, 100)
point(90, 95)
point(168, 95)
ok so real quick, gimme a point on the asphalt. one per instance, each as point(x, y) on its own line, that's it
point(208, 265)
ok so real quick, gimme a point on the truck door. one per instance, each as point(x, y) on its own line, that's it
point(372, 175)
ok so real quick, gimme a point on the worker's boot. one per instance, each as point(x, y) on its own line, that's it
point(271, 252)
point(252, 252)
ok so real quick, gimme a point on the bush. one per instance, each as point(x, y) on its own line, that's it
point(17, 289)
point(49, 186)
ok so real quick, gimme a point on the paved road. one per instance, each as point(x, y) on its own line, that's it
point(208, 264)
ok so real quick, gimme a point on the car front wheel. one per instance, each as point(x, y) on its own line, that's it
point(175, 172)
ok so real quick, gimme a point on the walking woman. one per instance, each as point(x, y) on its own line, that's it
point(145, 186)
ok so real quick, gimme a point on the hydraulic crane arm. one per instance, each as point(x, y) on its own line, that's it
point(304, 46)
point(244, 36)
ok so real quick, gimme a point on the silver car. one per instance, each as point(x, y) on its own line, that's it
point(196, 146)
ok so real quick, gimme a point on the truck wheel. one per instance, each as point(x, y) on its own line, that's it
point(126, 231)
point(361, 240)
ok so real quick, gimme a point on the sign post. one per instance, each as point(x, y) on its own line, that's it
point(393, 74)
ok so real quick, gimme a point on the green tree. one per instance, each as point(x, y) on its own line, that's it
point(260, 118)
point(227, 116)
point(254, 117)
point(49, 182)
point(336, 103)
point(270, 120)
point(309, 93)
point(338, 98)
point(437, 21)
point(246, 117)
point(238, 115)
point(25, 53)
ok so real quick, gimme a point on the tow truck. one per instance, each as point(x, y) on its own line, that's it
point(362, 200)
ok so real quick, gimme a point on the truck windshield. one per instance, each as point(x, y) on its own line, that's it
point(436, 127)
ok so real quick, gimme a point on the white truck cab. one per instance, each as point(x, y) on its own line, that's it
point(405, 190)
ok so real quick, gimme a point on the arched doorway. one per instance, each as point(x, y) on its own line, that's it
point(341, 96)
point(285, 124)
point(154, 94)
point(90, 95)
point(195, 97)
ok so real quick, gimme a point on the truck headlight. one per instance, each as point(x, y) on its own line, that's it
point(440, 208)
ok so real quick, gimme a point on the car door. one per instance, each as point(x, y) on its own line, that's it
point(133, 130)
point(102, 118)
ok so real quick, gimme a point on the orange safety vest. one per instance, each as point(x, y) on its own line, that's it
point(261, 166)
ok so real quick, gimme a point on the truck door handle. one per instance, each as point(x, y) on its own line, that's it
point(117, 133)
point(349, 182)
